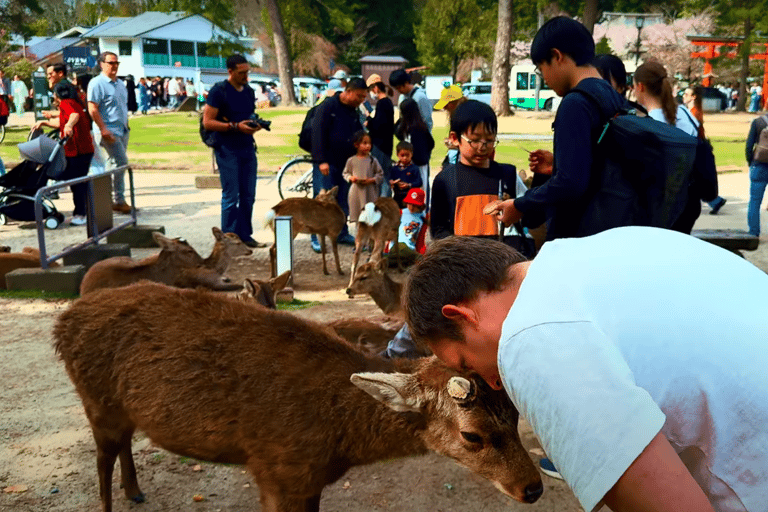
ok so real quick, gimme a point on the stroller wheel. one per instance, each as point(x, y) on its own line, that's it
point(3, 219)
point(52, 222)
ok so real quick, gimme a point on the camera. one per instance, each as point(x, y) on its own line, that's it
point(255, 122)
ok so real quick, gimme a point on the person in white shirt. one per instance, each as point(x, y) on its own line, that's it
point(645, 393)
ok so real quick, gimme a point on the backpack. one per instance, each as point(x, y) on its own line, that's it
point(645, 169)
point(305, 136)
point(760, 153)
point(208, 137)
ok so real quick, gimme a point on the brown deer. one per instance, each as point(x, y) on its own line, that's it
point(282, 395)
point(379, 221)
point(177, 264)
point(321, 216)
point(367, 336)
point(29, 257)
point(227, 247)
point(264, 292)
point(372, 278)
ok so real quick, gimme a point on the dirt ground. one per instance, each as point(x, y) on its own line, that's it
point(47, 455)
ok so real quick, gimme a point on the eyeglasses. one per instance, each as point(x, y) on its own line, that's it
point(478, 144)
point(112, 62)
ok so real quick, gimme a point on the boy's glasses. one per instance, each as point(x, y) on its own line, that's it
point(479, 144)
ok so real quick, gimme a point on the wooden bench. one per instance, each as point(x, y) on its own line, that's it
point(734, 240)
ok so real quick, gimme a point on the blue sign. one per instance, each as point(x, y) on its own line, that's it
point(78, 57)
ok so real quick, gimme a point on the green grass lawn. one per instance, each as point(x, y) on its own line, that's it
point(172, 142)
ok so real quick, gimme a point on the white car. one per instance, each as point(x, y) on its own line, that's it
point(480, 91)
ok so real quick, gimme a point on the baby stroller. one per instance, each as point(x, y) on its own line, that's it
point(43, 160)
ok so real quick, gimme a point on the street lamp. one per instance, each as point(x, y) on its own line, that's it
point(639, 22)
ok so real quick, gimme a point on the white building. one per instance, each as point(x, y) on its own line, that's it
point(166, 44)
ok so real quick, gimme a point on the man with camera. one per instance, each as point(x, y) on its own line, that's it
point(229, 111)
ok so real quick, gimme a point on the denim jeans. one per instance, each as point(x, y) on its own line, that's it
point(117, 156)
point(758, 179)
point(237, 172)
point(386, 163)
point(402, 345)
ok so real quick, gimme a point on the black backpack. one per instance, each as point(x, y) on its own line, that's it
point(208, 137)
point(645, 173)
point(305, 136)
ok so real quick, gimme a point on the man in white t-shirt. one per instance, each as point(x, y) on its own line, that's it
point(637, 384)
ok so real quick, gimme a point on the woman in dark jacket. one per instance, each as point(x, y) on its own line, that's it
point(412, 128)
point(381, 127)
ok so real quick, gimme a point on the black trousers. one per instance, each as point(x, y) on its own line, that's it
point(77, 167)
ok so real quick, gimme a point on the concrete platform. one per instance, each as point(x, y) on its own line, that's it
point(207, 181)
point(284, 295)
point(88, 256)
point(138, 237)
point(59, 279)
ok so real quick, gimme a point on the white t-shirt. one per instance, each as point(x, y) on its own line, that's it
point(617, 336)
point(688, 124)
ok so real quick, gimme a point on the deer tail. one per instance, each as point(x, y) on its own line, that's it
point(370, 215)
point(269, 219)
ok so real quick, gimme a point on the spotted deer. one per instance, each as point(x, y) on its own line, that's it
point(378, 222)
point(284, 396)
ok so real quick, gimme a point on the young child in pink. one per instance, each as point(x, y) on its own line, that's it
point(364, 174)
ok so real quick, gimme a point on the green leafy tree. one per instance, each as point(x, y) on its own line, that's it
point(449, 32)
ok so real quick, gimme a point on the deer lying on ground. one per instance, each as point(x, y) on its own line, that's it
point(277, 393)
point(177, 264)
point(321, 216)
point(227, 247)
point(264, 292)
point(367, 336)
point(372, 278)
point(28, 258)
point(379, 221)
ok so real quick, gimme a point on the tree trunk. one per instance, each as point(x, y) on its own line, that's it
point(590, 15)
point(501, 65)
point(741, 104)
point(284, 67)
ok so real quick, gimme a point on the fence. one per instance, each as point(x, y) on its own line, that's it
point(95, 236)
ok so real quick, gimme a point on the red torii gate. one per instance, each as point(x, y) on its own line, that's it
point(712, 43)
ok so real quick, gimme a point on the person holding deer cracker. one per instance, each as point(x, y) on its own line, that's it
point(364, 174)
point(645, 393)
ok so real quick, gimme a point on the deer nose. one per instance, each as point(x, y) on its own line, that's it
point(349, 293)
point(226, 280)
point(533, 492)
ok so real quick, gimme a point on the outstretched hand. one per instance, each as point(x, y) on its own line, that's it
point(504, 211)
point(541, 161)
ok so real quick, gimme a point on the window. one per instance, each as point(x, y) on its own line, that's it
point(155, 52)
point(125, 47)
point(183, 52)
point(522, 81)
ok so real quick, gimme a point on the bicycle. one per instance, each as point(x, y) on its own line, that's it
point(294, 179)
point(2, 133)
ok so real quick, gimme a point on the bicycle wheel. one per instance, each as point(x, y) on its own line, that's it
point(2, 133)
point(295, 178)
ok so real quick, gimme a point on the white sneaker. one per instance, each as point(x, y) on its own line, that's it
point(78, 220)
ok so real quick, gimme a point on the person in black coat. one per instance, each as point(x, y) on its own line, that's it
point(130, 85)
point(381, 127)
point(411, 127)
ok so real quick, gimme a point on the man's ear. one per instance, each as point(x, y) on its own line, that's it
point(459, 314)
point(454, 138)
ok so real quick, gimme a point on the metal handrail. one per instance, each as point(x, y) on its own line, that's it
point(45, 261)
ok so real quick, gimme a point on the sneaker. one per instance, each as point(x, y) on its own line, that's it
point(121, 208)
point(77, 220)
point(316, 245)
point(346, 239)
point(716, 209)
point(548, 468)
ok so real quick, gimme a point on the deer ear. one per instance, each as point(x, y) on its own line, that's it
point(162, 241)
point(249, 287)
point(279, 282)
point(396, 390)
point(217, 233)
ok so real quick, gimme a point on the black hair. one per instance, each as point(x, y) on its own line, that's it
point(356, 84)
point(610, 66)
point(399, 77)
point(358, 137)
point(103, 56)
point(403, 145)
point(564, 34)
point(65, 91)
point(382, 87)
point(83, 79)
point(410, 118)
point(473, 113)
point(235, 60)
point(59, 67)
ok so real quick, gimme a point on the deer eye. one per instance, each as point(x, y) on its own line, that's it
point(472, 438)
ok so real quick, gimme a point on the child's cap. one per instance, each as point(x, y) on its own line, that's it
point(373, 79)
point(340, 75)
point(448, 95)
point(415, 196)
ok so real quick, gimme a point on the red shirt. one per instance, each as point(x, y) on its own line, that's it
point(81, 142)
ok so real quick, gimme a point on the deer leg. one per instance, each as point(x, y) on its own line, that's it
point(322, 250)
point(106, 453)
point(273, 260)
point(275, 501)
point(128, 472)
point(355, 258)
point(335, 246)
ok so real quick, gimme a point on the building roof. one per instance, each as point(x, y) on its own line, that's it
point(134, 27)
point(388, 59)
point(50, 46)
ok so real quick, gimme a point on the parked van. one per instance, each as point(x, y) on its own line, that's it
point(480, 91)
point(522, 89)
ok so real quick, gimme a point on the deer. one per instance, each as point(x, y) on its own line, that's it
point(177, 264)
point(379, 221)
point(321, 216)
point(227, 247)
point(264, 292)
point(372, 278)
point(284, 396)
point(29, 257)
point(367, 336)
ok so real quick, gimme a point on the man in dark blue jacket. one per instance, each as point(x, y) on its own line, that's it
point(335, 122)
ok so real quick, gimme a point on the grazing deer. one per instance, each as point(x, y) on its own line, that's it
point(379, 221)
point(227, 247)
point(177, 264)
point(27, 258)
point(321, 216)
point(371, 278)
point(282, 395)
point(264, 292)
